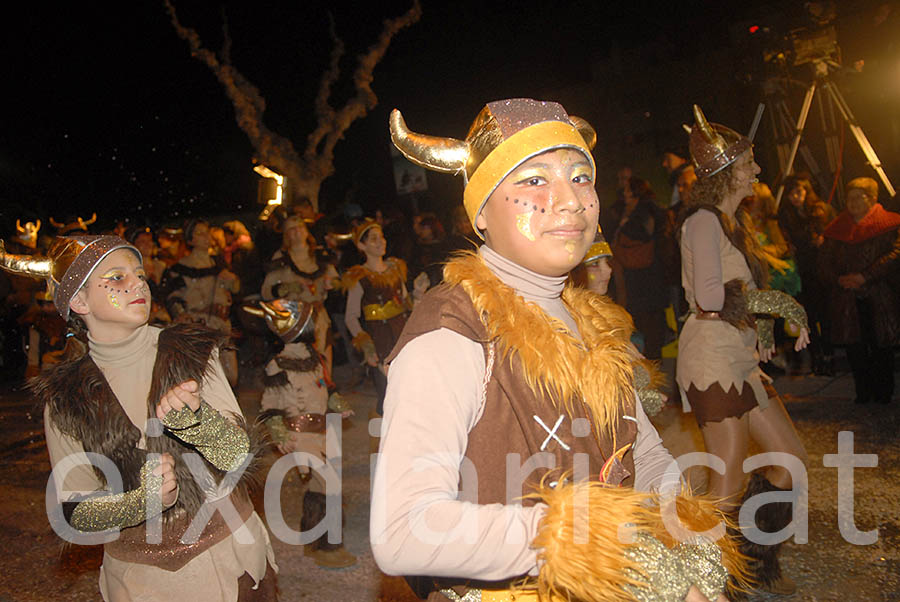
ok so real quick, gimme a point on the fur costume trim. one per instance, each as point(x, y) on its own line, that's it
point(596, 370)
point(734, 309)
point(392, 277)
point(361, 340)
point(583, 542)
point(83, 406)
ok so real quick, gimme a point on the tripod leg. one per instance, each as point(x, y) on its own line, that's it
point(860, 136)
point(801, 124)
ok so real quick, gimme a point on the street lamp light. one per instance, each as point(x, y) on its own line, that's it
point(275, 199)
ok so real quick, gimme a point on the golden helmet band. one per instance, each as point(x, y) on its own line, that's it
point(67, 266)
point(504, 135)
point(366, 225)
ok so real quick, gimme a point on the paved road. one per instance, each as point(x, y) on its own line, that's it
point(36, 567)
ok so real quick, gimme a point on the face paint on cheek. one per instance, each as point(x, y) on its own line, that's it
point(523, 223)
point(114, 300)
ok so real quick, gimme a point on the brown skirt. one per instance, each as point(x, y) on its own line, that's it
point(715, 404)
point(266, 590)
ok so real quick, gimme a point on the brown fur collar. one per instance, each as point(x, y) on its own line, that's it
point(597, 369)
point(392, 277)
point(83, 406)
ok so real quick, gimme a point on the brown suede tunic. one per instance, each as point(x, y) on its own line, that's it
point(508, 424)
point(384, 333)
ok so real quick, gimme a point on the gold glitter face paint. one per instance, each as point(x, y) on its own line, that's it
point(570, 247)
point(523, 223)
point(114, 300)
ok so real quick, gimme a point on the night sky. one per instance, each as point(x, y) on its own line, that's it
point(106, 110)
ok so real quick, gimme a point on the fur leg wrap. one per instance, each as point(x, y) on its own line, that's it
point(314, 512)
point(598, 543)
point(770, 518)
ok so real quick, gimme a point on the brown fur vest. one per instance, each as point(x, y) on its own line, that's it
point(83, 406)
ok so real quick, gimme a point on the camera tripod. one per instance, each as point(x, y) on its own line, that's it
point(834, 100)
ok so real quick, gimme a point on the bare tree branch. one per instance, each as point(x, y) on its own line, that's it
point(305, 173)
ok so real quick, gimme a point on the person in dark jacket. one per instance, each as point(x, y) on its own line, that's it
point(802, 217)
point(636, 225)
point(860, 264)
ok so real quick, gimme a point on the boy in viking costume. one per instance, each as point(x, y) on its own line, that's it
point(294, 402)
point(156, 407)
point(514, 454)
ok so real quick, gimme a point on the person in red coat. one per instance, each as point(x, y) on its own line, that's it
point(860, 263)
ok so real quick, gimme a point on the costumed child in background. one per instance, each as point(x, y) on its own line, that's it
point(514, 450)
point(152, 402)
point(198, 289)
point(594, 274)
point(299, 271)
point(294, 403)
point(378, 303)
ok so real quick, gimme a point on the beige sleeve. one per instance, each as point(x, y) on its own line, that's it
point(418, 524)
point(216, 391)
point(353, 311)
point(75, 475)
point(651, 458)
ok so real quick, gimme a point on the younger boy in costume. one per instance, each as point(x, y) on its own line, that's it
point(511, 402)
point(294, 401)
point(156, 404)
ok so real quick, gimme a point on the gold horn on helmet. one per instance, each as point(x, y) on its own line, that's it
point(584, 128)
point(447, 155)
point(708, 132)
point(37, 267)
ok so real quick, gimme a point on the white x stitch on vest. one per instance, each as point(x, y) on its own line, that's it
point(552, 432)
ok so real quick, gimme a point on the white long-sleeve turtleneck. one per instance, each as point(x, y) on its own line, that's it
point(435, 396)
point(543, 291)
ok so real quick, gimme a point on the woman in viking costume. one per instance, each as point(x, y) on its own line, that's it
point(514, 453)
point(198, 289)
point(297, 274)
point(294, 401)
point(724, 276)
point(378, 303)
point(167, 442)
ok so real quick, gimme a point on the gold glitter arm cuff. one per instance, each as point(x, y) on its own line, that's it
point(778, 304)
point(277, 429)
point(222, 442)
point(765, 332)
point(120, 510)
point(652, 399)
point(668, 574)
point(338, 403)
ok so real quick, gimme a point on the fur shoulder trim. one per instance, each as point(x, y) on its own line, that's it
point(392, 277)
point(595, 370)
